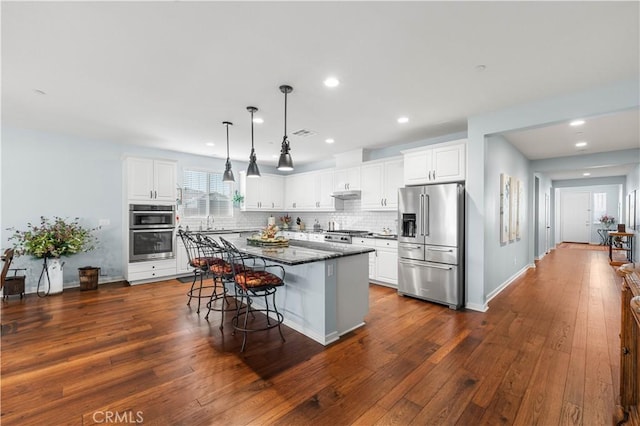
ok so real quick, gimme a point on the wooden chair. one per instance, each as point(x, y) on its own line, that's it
point(11, 284)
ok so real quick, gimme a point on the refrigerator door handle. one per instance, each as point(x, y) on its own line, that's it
point(439, 249)
point(425, 212)
point(431, 265)
point(421, 214)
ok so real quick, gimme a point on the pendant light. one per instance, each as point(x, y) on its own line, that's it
point(285, 162)
point(252, 170)
point(228, 174)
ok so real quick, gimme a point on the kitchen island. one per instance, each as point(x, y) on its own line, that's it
point(326, 291)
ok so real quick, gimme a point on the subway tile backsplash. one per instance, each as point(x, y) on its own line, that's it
point(352, 217)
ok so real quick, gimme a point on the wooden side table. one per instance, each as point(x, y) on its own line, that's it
point(629, 346)
point(621, 242)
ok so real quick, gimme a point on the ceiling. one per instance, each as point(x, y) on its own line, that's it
point(167, 74)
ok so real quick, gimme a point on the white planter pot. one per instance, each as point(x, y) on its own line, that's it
point(54, 281)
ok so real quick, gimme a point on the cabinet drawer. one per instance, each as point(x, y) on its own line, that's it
point(145, 267)
point(390, 244)
point(147, 275)
point(366, 242)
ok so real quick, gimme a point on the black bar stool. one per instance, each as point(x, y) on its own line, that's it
point(254, 282)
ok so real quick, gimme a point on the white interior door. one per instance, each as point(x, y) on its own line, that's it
point(574, 217)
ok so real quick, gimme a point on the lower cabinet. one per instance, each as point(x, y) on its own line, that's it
point(149, 271)
point(182, 259)
point(383, 263)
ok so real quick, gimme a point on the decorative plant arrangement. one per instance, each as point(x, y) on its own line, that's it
point(54, 238)
point(607, 220)
point(237, 199)
point(286, 221)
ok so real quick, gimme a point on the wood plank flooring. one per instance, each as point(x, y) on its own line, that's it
point(545, 353)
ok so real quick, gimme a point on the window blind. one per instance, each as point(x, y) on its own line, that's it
point(205, 194)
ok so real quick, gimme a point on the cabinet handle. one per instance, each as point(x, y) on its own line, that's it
point(155, 194)
point(434, 175)
point(625, 350)
point(151, 194)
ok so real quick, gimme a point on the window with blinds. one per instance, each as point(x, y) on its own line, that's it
point(205, 194)
point(599, 206)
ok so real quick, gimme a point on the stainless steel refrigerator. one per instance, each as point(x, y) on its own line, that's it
point(431, 243)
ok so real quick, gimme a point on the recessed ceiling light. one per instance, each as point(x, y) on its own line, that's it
point(40, 92)
point(258, 120)
point(481, 67)
point(331, 82)
point(586, 174)
point(576, 123)
point(210, 144)
point(329, 140)
point(403, 120)
point(581, 144)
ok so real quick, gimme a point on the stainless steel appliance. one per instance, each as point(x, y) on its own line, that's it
point(343, 236)
point(431, 243)
point(151, 232)
point(145, 216)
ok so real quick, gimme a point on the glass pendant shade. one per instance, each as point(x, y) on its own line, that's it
point(228, 173)
point(285, 163)
point(252, 170)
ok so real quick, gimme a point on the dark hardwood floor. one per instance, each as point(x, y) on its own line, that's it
point(545, 353)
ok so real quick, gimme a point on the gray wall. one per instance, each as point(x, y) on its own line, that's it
point(506, 259)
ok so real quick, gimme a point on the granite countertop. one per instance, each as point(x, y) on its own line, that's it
point(225, 231)
point(370, 235)
point(300, 252)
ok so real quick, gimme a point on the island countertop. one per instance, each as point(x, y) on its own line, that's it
point(300, 252)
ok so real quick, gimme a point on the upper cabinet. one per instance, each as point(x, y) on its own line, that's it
point(310, 191)
point(380, 184)
point(435, 164)
point(347, 179)
point(262, 193)
point(150, 180)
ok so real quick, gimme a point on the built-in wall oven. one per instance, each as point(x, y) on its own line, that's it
point(151, 232)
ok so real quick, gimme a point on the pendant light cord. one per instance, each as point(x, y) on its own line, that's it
point(285, 114)
point(227, 126)
point(251, 111)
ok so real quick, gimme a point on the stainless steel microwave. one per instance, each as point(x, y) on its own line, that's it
point(151, 216)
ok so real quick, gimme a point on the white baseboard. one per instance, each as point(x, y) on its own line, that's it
point(508, 282)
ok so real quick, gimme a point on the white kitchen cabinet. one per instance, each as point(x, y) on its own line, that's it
point(383, 262)
point(182, 259)
point(151, 180)
point(380, 183)
point(151, 271)
point(311, 192)
point(435, 164)
point(263, 193)
point(323, 189)
point(346, 179)
point(387, 262)
point(299, 193)
point(317, 237)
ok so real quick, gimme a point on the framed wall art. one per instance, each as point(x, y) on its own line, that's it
point(505, 192)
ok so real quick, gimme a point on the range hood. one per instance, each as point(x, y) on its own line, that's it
point(353, 194)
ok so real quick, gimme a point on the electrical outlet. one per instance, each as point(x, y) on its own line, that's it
point(104, 222)
point(515, 260)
